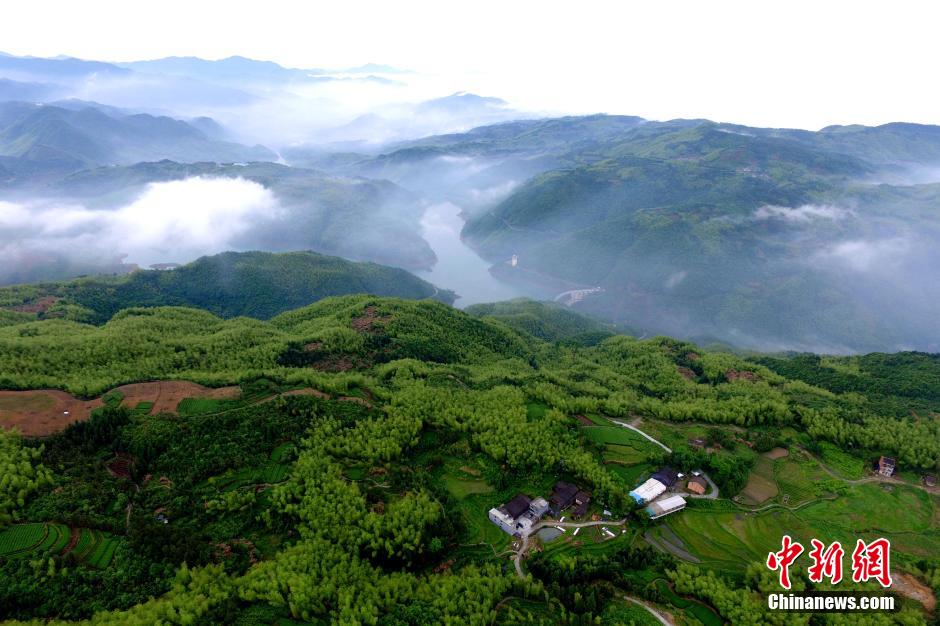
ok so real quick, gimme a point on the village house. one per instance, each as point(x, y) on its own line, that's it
point(664, 507)
point(655, 486)
point(562, 496)
point(886, 466)
point(697, 485)
point(582, 500)
point(519, 515)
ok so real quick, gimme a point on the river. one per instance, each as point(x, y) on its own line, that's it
point(458, 267)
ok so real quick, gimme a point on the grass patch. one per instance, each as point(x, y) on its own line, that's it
point(198, 406)
point(841, 462)
point(701, 612)
point(620, 611)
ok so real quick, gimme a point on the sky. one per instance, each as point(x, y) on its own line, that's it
point(794, 63)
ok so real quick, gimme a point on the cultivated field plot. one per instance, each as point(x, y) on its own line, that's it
point(799, 479)
point(761, 484)
point(730, 539)
point(621, 445)
point(166, 395)
point(92, 547)
point(44, 412)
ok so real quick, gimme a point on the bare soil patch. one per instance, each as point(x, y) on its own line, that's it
point(777, 453)
point(910, 587)
point(120, 467)
point(73, 541)
point(167, 394)
point(42, 412)
point(37, 306)
point(686, 372)
point(584, 420)
point(732, 375)
point(365, 322)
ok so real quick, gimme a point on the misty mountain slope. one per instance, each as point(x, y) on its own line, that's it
point(93, 136)
point(62, 68)
point(756, 239)
point(478, 167)
point(894, 144)
point(232, 284)
point(175, 212)
point(26, 91)
point(235, 69)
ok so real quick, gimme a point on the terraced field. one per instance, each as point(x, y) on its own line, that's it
point(27, 540)
point(730, 539)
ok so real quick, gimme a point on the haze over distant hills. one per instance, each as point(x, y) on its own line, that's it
point(759, 238)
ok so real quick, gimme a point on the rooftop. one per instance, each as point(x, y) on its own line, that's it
point(517, 506)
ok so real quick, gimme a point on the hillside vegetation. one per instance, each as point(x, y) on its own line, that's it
point(232, 284)
point(350, 479)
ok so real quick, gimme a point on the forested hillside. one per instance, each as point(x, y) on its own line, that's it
point(232, 284)
point(764, 239)
point(347, 478)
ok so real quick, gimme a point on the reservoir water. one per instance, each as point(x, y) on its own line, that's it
point(458, 267)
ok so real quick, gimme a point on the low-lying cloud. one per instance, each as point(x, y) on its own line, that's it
point(175, 221)
point(864, 255)
point(804, 213)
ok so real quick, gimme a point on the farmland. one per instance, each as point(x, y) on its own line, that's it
point(85, 545)
point(383, 474)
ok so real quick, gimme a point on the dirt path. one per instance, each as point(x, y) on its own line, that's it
point(664, 618)
point(524, 546)
point(878, 478)
point(641, 433)
point(74, 534)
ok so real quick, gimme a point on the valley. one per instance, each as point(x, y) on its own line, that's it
point(325, 341)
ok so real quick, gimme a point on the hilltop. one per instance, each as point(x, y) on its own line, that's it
point(232, 284)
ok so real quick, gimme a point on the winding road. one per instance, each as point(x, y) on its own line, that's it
point(641, 433)
point(524, 546)
point(663, 618)
point(574, 296)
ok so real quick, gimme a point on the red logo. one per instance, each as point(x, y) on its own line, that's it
point(783, 559)
point(869, 561)
point(826, 563)
point(872, 560)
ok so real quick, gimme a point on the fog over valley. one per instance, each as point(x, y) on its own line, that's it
point(755, 238)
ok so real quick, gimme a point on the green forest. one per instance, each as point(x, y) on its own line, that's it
point(348, 479)
point(231, 284)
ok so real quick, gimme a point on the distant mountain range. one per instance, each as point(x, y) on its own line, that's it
point(96, 135)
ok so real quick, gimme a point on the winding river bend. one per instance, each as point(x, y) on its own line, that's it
point(458, 267)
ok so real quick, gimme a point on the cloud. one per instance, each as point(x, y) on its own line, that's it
point(675, 279)
point(805, 213)
point(170, 221)
point(867, 255)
